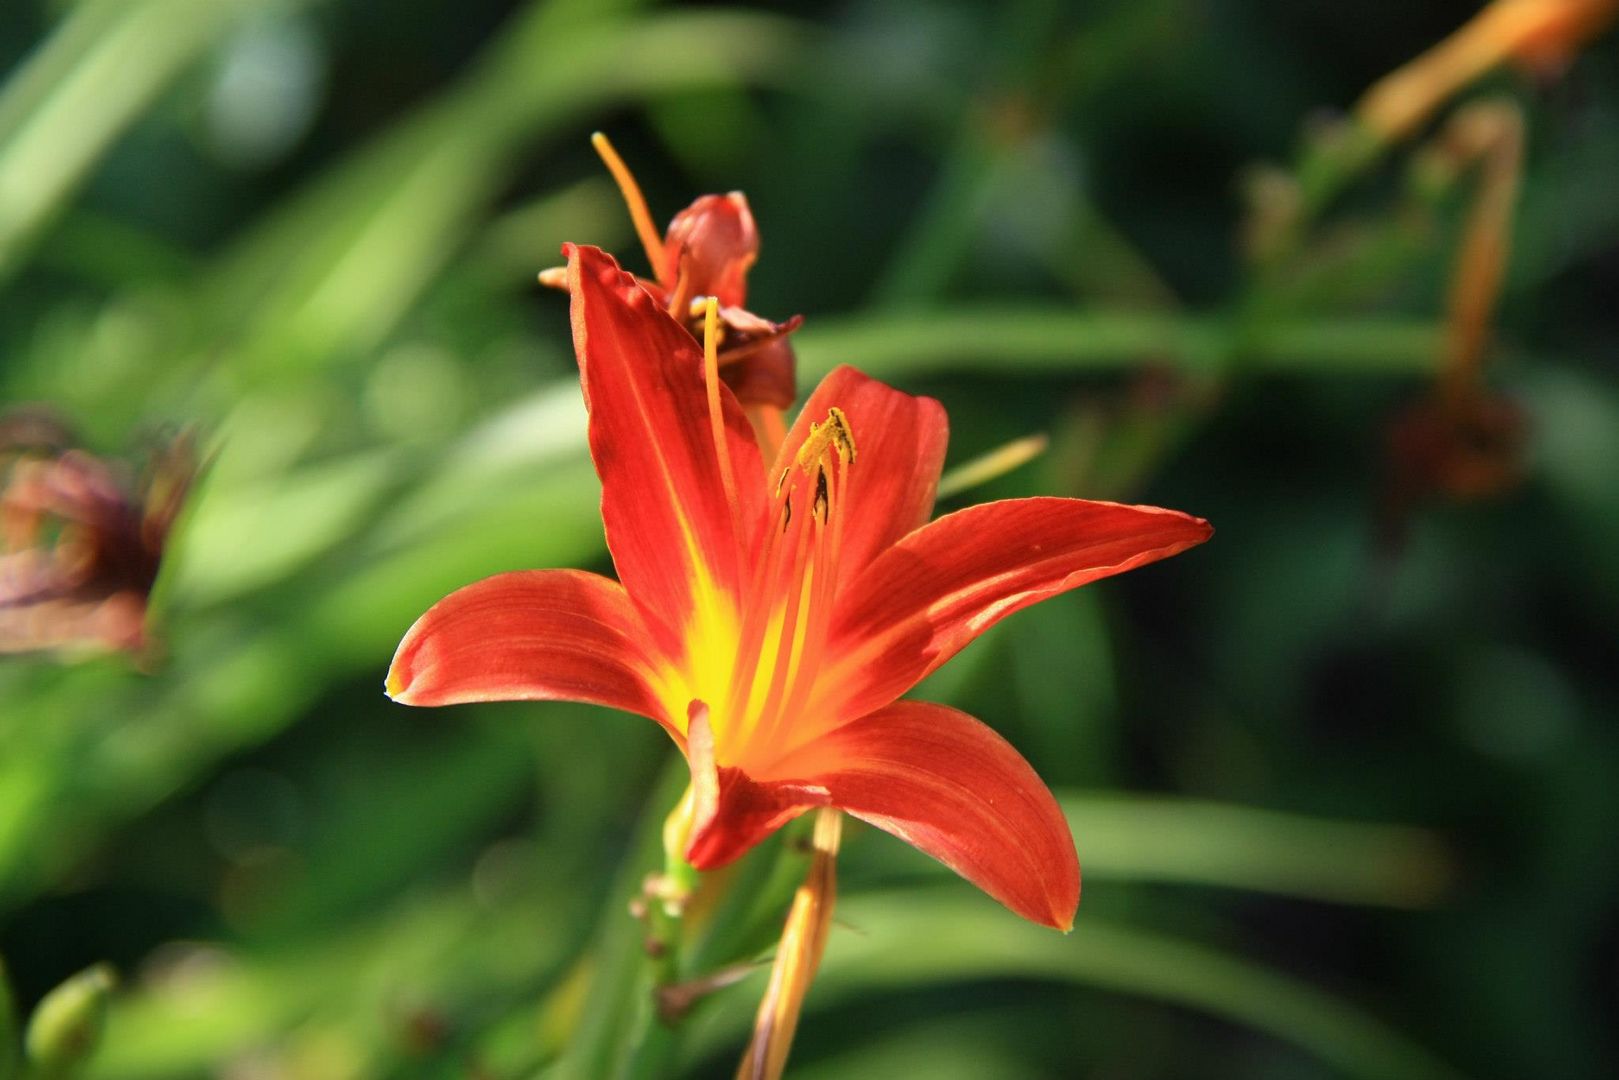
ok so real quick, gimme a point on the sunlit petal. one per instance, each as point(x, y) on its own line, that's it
point(731, 812)
point(900, 441)
point(674, 531)
point(919, 602)
point(533, 635)
point(950, 786)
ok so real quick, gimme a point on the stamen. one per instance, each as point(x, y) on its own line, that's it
point(680, 298)
point(828, 551)
point(751, 638)
point(790, 640)
point(780, 562)
point(991, 466)
point(819, 586)
point(716, 415)
point(639, 214)
point(785, 630)
point(831, 433)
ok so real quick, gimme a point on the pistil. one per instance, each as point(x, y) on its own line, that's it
point(640, 214)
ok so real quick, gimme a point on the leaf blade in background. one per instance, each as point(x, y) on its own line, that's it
point(897, 948)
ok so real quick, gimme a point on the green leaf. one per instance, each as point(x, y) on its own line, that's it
point(1198, 842)
point(1175, 841)
point(99, 72)
point(1032, 340)
point(898, 940)
point(616, 1023)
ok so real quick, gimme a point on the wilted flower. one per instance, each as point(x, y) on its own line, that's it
point(1469, 449)
point(80, 541)
point(1465, 441)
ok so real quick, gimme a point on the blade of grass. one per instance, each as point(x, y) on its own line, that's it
point(99, 72)
point(1035, 340)
point(1198, 842)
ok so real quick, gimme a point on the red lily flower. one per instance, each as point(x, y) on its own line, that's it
point(768, 617)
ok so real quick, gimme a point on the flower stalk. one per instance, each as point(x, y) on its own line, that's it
point(1541, 37)
point(798, 956)
point(1465, 441)
point(1537, 35)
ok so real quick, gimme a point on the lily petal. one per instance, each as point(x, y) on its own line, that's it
point(530, 635)
point(948, 785)
point(767, 376)
point(667, 501)
point(731, 812)
point(899, 443)
point(918, 603)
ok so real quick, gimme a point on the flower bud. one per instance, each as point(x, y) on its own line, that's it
point(714, 241)
point(66, 1028)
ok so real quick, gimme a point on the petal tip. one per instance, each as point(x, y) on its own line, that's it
point(1063, 918)
point(396, 685)
point(1064, 901)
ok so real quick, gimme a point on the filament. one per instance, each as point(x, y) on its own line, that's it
point(716, 413)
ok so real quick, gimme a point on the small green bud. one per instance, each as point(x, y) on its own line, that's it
point(66, 1028)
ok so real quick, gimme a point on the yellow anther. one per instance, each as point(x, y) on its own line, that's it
point(833, 433)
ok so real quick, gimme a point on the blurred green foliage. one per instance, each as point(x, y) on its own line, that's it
point(1344, 807)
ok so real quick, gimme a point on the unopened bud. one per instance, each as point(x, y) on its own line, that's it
point(66, 1028)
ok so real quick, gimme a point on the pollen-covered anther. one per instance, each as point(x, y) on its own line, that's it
point(830, 443)
point(833, 433)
